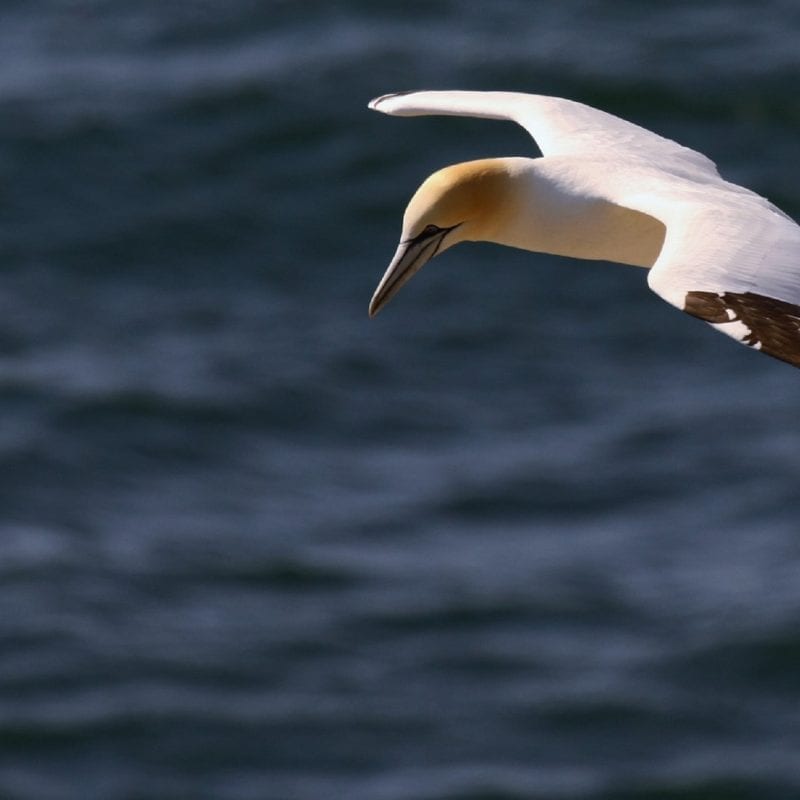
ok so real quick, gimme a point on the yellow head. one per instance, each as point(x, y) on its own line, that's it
point(456, 204)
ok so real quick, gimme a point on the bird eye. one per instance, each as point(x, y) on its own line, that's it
point(428, 232)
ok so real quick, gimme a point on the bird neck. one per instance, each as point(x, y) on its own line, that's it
point(548, 209)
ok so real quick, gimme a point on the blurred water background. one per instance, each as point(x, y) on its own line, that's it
point(532, 533)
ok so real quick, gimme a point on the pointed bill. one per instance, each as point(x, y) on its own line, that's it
point(410, 257)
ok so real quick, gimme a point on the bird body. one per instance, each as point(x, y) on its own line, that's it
point(607, 189)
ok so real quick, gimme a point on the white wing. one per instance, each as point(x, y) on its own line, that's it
point(560, 127)
point(729, 257)
point(733, 260)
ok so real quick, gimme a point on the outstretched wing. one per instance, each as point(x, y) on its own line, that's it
point(734, 263)
point(559, 127)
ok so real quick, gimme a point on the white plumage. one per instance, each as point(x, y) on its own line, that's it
point(606, 188)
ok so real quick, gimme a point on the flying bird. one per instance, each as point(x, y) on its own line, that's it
point(605, 188)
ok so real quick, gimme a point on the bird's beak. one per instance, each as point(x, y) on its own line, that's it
point(411, 256)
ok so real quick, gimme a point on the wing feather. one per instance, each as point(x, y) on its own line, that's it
point(730, 258)
point(559, 126)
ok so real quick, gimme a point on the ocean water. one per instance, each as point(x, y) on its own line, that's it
point(531, 533)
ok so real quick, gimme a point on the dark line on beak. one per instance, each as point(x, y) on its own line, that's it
point(400, 275)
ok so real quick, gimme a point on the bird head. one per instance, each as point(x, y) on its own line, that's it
point(458, 203)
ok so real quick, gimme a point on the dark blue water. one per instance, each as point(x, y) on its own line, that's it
point(531, 533)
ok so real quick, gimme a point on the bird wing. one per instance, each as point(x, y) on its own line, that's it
point(559, 126)
point(729, 257)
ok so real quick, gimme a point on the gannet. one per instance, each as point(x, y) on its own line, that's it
point(605, 188)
